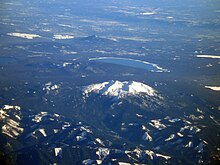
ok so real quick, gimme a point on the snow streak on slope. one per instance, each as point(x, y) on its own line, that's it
point(214, 88)
point(120, 89)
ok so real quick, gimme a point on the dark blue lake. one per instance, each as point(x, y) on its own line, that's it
point(131, 63)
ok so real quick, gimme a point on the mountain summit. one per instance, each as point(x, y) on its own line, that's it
point(120, 89)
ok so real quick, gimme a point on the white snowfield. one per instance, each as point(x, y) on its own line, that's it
point(62, 37)
point(120, 89)
point(214, 88)
point(208, 56)
point(24, 35)
point(148, 13)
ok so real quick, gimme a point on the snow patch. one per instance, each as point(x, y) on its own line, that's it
point(62, 37)
point(150, 153)
point(172, 136)
point(174, 120)
point(208, 56)
point(88, 161)
point(157, 124)
point(42, 131)
point(99, 161)
point(8, 107)
point(50, 87)
point(99, 141)
point(190, 144)
point(147, 137)
point(80, 138)
point(148, 13)
point(86, 129)
point(65, 64)
point(153, 155)
point(65, 125)
point(102, 153)
point(191, 129)
point(38, 118)
point(179, 134)
point(163, 156)
point(138, 115)
point(68, 52)
point(24, 35)
point(123, 163)
point(58, 152)
point(214, 88)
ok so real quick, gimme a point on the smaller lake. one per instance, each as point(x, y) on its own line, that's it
point(131, 63)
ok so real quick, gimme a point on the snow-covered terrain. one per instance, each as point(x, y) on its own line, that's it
point(62, 37)
point(50, 87)
point(121, 89)
point(214, 88)
point(208, 56)
point(11, 116)
point(109, 82)
point(160, 133)
point(58, 152)
point(24, 35)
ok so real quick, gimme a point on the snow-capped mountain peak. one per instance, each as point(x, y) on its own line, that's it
point(120, 89)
